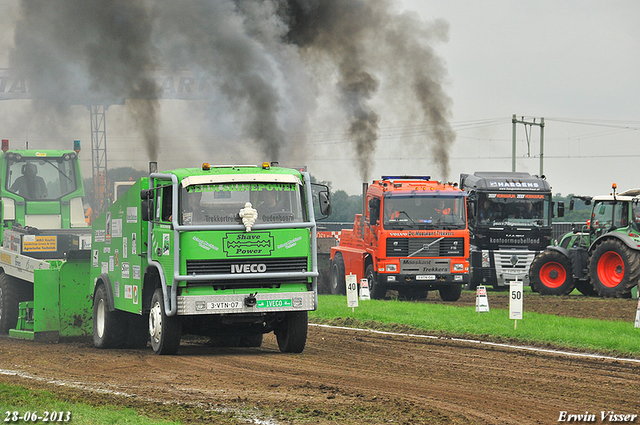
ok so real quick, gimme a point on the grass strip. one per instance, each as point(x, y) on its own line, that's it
point(39, 406)
point(599, 336)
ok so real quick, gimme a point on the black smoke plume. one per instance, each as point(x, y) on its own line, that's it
point(265, 61)
point(89, 52)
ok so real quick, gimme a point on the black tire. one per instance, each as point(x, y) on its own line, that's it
point(137, 331)
point(165, 331)
point(614, 268)
point(586, 288)
point(291, 334)
point(450, 292)
point(251, 339)
point(109, 327)
point(412, 294)
point(377, 290)
point(337, 285)
point(225, 340)
point(551, 273)
point(12, 292)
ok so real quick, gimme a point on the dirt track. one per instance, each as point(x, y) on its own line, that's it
point(342, 377)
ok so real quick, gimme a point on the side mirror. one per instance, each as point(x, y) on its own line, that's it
point(374, 211)
point(471, 209)
point(146, 210)
point(561, 209)
point(320, 193)
point(325, 203)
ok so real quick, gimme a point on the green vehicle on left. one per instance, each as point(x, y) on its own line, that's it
point(45, 240)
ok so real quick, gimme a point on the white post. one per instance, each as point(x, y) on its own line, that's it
point(515, 302)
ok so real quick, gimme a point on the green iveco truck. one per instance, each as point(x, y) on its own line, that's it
point(225, 252)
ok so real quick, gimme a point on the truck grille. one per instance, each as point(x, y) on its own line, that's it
point(447, 247)
point(254, 269)
point(513, 264)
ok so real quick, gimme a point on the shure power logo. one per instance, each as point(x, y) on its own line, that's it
point(248, 268)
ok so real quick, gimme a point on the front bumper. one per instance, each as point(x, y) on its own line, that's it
point(246, 303)
point(421, 281)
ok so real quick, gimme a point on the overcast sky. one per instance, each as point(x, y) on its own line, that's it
point(574, 63)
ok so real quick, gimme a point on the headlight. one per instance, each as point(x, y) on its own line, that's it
point(458, 267)
point(392, 267)
point(391, 278)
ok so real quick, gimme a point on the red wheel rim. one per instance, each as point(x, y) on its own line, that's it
point(610, 269)
point(552, 275)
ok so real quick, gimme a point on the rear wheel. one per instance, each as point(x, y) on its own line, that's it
point(291, 334)
point(614, 268)
point(450, 292)
point(251, 339)
point(337, 284)
point(551, 273)
point(109, 327)
point(377, 290)
point(165, 330)
point(137, 331)
point(413, 294)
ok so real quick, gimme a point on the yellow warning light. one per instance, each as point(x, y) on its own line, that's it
point(266, 166)
point(614, 186)
point(206, 166)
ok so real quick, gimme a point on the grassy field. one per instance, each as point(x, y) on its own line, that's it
point(16, 401)
point(607, 337)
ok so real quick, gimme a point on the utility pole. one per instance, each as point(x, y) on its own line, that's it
point(515, 121)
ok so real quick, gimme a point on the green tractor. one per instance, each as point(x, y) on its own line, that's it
point(602, 258)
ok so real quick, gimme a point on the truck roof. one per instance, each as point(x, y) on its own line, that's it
point(234, 170)
point(415, 185)
point(621, 198)
point(503, 180)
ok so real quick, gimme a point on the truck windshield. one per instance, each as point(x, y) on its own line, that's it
point(41, 179)
point(219, 204)
point(521, 209)
point(409, 211)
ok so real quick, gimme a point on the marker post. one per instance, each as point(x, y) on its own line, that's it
point(351, 280)
point(482, 301)
point(515, 302)
point(364, 289)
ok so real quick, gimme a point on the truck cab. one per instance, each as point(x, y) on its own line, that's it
point(224, 252)
point(510, 223)
point(412, 238)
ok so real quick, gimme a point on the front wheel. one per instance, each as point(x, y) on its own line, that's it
point(165, 330)
point(450, 292)
point(614, 268)
point(292, 332)
point(377, 290)
point(551, 273)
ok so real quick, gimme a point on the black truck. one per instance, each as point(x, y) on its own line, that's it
point(510, 223)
